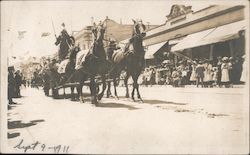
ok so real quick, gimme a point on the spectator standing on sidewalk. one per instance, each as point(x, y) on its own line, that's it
point(231, 71)
point(244, 70)
point(225, 72)
point(11, 84)
point(215, 76)
point(199, 74)
point(18, 82)
point(193, 74)
point(152, 76)
point(189, 71)
point(176, 77)
point(219, 70)
point(208, 77)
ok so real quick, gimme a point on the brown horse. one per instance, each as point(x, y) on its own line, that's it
point(95, 64)
point(131, 60)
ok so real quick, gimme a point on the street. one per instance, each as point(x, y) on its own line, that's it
point(171, 120)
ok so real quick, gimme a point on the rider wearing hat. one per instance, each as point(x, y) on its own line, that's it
point(63, 37)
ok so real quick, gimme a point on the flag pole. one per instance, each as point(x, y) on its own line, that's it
point(53, 27)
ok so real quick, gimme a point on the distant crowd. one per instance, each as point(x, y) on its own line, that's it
point(16, 80)
point(223, 72)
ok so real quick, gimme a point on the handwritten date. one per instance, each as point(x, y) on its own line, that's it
point(36, 146)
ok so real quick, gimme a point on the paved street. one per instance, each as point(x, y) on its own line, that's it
point(171, 120)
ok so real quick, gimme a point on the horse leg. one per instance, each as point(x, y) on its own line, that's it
point(72, 93)
point(137, 88)
point(114, 81)
point(103, 88)
point(126, 85)
point(108, 90)
point(93, 91)
point(133, 91)
point(64, 94)
point(79, 92)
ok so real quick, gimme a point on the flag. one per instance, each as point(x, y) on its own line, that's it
point(45, 34)
point(21, 34)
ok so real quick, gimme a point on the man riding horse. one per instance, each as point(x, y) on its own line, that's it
point(66, 41)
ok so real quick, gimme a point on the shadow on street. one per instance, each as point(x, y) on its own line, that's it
point(19, 124)
point(13, 135)
point(162, 102)
point(116, 105)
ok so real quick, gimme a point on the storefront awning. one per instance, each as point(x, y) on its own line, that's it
point(210, 36)
point(152, 49)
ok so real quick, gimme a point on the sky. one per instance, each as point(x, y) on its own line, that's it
point(35, 17)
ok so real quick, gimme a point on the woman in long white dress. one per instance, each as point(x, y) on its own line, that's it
point(193, 74)
point(243, 77)
point(225, 71)
point(208, 74)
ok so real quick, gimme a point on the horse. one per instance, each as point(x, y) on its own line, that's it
point(131, 59)
point(95, 64)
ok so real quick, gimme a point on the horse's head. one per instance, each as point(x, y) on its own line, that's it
point(98, 34)
point(137, 37)
point(139, 29)
point(100, 30)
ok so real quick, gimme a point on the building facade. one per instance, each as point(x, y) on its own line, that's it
point(183, 22)
point(114, 30)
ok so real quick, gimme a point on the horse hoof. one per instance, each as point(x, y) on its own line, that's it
point(116, 97)
point(94, 102)
point(140, 100)
point(127, 96)
point(99, 97)
point(81, 100)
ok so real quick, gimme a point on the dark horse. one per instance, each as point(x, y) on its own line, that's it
point(131, 60)
point(95, 64)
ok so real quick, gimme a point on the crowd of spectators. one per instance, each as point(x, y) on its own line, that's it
point(221, 72)
point(15, 80)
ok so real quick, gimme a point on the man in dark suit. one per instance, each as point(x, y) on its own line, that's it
point(11, 84)
point(199, 74)
point(18, 82)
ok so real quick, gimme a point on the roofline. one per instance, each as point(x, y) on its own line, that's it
point(196, 21)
